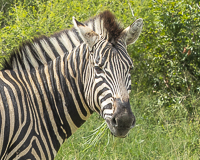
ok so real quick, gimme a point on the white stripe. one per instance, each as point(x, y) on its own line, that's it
point(107, 116)
point(35, 92)
point(2, 112)
point(97, 24)
point(57, 46)
point(90, 25)
point(66, 42)
point(19, 65)
point(28, 131)
point(73, 38)
point(32, 59)
point(72, 126)
point(47, 48)
point(49, 111)
point(38, 50)
point(108, 111)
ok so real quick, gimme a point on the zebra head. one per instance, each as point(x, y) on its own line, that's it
point(107, 79)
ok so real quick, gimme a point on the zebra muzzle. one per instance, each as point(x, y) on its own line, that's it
point(122, 120)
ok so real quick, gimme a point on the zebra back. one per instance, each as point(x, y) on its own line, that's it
point(41, 50)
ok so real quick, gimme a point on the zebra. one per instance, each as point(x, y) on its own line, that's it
point(51, 85)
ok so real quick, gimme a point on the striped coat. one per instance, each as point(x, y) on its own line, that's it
point(51, 86)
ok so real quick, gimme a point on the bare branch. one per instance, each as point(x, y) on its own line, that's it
point(131, 9)
point(3, 5)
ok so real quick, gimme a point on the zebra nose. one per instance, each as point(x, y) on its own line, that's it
point(123, 119)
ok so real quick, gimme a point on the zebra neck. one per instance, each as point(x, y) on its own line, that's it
point(72, 67)
point(56, 91)
point(68, 86)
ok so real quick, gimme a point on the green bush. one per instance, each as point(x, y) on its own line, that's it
point(167, 59)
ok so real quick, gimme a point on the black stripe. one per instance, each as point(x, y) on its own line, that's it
point(106, 97)
point(102, 91)
point(34, 54)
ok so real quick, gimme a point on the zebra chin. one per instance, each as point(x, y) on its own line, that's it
point(122, 119)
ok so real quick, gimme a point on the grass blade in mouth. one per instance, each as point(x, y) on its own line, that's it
point(96, 135)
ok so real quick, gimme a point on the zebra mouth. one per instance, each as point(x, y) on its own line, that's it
point(119, 136)
point(118, 131)
point(122, 120)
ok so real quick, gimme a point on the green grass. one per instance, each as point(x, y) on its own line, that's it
point(160, 133)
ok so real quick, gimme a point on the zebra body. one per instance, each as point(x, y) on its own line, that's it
point(52, 85)
point(49, 119)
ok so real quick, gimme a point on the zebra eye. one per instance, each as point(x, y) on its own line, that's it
point(98, 69)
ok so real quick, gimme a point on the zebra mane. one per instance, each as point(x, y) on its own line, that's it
point(41, 50)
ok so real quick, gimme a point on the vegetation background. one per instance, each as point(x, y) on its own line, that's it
point(165, 82)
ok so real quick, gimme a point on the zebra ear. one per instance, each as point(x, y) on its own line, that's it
point(87, 34)
point(131, 33)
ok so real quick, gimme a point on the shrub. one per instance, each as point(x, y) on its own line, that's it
point(167, 59)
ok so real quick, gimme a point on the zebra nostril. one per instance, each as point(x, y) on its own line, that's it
point(114, 122)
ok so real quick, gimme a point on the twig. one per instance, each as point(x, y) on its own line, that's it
point(3, 5)
point(131, 9)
